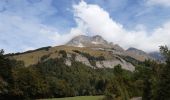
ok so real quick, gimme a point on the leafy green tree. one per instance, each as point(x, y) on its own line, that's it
point(163, 92)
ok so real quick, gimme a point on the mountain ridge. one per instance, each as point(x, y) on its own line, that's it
point(89, 53)
point(93, 41)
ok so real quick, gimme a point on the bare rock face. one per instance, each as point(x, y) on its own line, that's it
point(79, 41)
point(83, 60)
point(105, 63)
point(68, 62)
point(112, 63)
point(98, 40)
point(94, 42)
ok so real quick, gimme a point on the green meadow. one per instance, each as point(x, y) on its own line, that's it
point(78, 98)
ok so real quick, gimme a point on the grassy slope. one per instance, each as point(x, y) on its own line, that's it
point(78, 98)
point(34, 57)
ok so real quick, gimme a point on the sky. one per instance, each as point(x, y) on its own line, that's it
point(30, 24)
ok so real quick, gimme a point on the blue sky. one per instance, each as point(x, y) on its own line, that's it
point(30, 24)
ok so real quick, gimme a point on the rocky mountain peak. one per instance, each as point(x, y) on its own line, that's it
point(97, 39)
point(140, 52)
point(87, 41)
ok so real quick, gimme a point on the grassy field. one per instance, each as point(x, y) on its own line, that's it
point(78, 98)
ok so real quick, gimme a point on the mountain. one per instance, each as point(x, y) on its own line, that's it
point(91, 57)
point(95, 42)
point(138, 54)
point(98, 42)
point(157, 56)
point(93, 51)
point(86, 41)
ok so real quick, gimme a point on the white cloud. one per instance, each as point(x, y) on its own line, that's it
point(18, 34)
point(21, 30)
point(97, 21)
point(165, 3)
point(21, 26)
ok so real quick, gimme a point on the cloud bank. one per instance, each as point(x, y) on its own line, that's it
point(97, 21)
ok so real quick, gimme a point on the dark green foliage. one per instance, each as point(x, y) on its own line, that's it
point(118, 70)
point(163, 91)
point(83, 80)
point(132, 60)
point(44, 57)
point(109, 96)
point(7, 67)
point(52, 78)
point(29, 83)
point(63, 53)
point(147, 90)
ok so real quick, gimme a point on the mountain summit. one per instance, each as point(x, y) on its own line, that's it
point(96, 41)
point(87, 41)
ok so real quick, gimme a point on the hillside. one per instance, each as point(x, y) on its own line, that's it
point(69, 71)
point(94, 52)
point(108, 59)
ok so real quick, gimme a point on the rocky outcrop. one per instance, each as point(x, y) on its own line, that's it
point(83, 60)
point(112, 63)
point(102, 63)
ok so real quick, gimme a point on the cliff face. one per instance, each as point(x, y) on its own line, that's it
point(101, 63)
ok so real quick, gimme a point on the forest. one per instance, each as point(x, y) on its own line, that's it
point(53, 79)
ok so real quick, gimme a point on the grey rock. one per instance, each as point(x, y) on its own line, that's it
point(112, 63)
point(93, 42)
point(106, 63)
point(68, 62)
point(83, 60)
